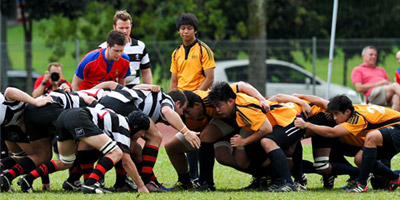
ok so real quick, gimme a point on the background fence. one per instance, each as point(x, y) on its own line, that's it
point(298, 51)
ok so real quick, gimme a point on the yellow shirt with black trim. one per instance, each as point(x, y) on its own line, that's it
point(208, 113)
point(314, 108)
point(250, 115)
point(365, 119)
point(189, 65)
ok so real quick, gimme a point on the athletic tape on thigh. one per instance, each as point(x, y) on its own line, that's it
point(108, 147)
point(21, 154)
point(68, 159)
point(223, 144)
point(321, 163)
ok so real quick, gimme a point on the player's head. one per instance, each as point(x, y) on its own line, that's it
point(115, 38)
point(223, 98)
point(194, 108)
point(138, 123)
point(123, 22)
point(187, 19)
point(115, 45)
point(341, 108)
point(179, 99)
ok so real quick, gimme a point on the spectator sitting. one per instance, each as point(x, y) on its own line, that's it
point(374, 82)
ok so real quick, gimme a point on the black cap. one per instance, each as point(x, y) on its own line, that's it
point(137, 121)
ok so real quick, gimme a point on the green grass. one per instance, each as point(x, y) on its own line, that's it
point(227, 180)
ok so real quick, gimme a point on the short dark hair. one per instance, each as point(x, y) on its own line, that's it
point(56, 64)
point(192, 98)
point(116, 38)
point(137, 121)
point(187, 19)
point(340, 103)
point(177, 95)
point(221, 91)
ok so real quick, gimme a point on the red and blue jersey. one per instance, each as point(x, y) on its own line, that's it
point(94, 69)
point(398, 76)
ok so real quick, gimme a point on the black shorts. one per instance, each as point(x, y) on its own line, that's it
point(340, 149)
point(256, 153)
point(76, 123)
point(285, 137)
point(391, 142)
point(320, 119)
point(14, 133)
point(40, 122)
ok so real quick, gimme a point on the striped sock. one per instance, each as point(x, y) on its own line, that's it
point(120, 175)
point(104, 164)
point(149, 158)
point(23, 166)
point(43, 170)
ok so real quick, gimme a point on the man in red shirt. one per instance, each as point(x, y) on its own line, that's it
point(51, 80)
point(99, 65)
point(374, 82)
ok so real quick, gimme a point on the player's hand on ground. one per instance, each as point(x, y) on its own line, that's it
point(237, 141)
point(193, 139)
point(143, 189)
point(46, 187)
point(43, 100)
point(300, 123)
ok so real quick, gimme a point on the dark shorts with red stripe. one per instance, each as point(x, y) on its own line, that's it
point(76, 123)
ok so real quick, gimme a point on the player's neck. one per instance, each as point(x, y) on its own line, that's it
point(189, 42)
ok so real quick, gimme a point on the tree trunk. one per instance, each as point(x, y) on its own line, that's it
point(27, 24)
point(257, 51)
point(5, 60)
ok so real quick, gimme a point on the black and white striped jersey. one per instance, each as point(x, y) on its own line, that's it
point(10, 111)
point(96, 93)
point(114, 125)
point(138, 56)
point(66, 100)
point(126, 100)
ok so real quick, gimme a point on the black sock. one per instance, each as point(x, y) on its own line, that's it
point(7, 162)
point(120, 175)
point(104, 164)
point(308, 167)
point(45, 179)
point(280, 165)
point(149, 157)
point(22, 167)
point(339, 169)
point(297, 170)
point(381, 169)
point(184, 178)
point(43, 170)
point(206, 157)
point(86, 159)
point(75, 172)
point(367, 163)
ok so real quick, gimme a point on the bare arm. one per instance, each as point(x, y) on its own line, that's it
point(174, 81)
point(320, 102)
point(153, 88)
point(365, 87)
point(237, 140)
point(14, 94)
point(284, 98)
point(122, 81)
point(40, 90)
point(76, 82)
point(325, 131)
point(106, 85)
point(132, 171)
point(251, 91)
point(209, 74)
point(147, 76)
point(175, 121)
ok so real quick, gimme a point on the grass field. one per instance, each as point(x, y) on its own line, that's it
point(228, 182)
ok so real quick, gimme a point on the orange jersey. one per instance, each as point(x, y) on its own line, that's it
point(366, 118)
point(314, 109)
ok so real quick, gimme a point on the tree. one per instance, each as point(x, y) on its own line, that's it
point(257, 54)
point(7, 10)
point(38, 9)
